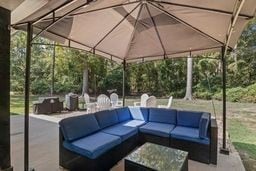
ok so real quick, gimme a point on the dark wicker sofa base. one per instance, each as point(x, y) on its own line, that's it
point(198, 152)
point(75, 162)
point(143, 137)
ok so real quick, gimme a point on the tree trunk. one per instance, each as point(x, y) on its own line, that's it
point(85, 77)
point(53, 69)
point(188, 95)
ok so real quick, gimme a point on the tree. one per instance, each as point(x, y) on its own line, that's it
point(188, 95)
point(85, 77)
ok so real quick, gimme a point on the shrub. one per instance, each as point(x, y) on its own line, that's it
point(203, 95)
point(218, 95)
point(250, 94)
point(67, 87)
point(40, 87)
point(239, 94)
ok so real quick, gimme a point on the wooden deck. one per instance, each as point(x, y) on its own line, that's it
point(44, 149)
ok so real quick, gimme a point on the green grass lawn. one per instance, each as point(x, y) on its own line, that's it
point(241, 121)
point(17, 104)
point(243, 137)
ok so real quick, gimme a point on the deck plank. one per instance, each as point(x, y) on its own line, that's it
point(43, 144)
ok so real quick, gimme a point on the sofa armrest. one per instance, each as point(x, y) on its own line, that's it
point(214, 141)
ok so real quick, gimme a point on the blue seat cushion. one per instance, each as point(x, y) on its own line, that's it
point(189, 118)
point(93, 145)
point(106, 118)
point(139, 113)
point(159, 129)
point(204, 125)
point(123, 114)
point(162, 115)
point(134, 123)
point(80, 126)
point(121, 130)
point(188, 134)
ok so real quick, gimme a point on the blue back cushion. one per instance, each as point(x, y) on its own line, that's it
point(123, 114)
point(139, 113)
point(162, 115)
point(77, 127)
point(203, 125)
point(106, 118)
point(189, 118)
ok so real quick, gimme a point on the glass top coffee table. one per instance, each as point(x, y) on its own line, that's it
point(156, 157)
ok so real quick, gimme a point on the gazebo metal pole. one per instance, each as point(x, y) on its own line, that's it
point(53, 69)
point(224, 149)
point(27, 87)
point(124, 74)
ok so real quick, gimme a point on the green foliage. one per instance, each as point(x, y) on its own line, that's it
point(240, 94)
point(113, 79)
point(39, 87)
point(203, 95)
point(235, 94)
point(161, 78)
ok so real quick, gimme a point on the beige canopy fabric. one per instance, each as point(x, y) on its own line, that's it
point(137, 30)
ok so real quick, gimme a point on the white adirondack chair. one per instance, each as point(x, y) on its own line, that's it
point(151, 101)
point(91, 107)
point(103, 102)
point(169, 105)
point(115, 102)
point(142, 102)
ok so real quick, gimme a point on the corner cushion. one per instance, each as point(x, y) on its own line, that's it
point(94, 145)
point(121, 130)
point(203, 125)
point(123, 114)
point(159, 129)
point(162, 115)
point(134, 123)
point(139, 113)
point(106, 118)
point(188, 134)
point(76, 127)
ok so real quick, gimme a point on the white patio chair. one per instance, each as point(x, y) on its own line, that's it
point(90, 107)
point(103, 102)
point(142, 102)
point(169, 105)
point(151, 101)
point(115, 102)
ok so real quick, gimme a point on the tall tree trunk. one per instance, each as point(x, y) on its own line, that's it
point(188, 95)
point(53, 69)
point(85, 77)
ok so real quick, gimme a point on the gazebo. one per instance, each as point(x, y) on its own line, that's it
point(128, 31)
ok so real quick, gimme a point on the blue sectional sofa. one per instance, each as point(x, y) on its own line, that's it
point(98, 141)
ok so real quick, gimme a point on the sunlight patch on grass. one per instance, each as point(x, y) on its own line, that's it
point(239, 131)
point(17, 104)
point(244, 140)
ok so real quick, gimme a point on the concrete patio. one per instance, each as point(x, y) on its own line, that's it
point(44, 148)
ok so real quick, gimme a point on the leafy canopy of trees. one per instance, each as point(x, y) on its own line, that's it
point(160, 78)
